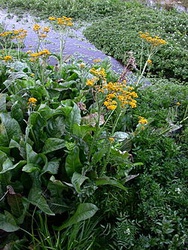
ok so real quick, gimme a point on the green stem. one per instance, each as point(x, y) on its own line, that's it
point(103, 170)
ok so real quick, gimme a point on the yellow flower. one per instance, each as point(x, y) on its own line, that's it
point(36, 27)
point(46, 29)
point(7, 58)
point(52, 18)
point(111, 139)
point(154, 41)
point(178, 103)
point(142, 120)
point(32, 101)
point(149, 61)
point(92, 81)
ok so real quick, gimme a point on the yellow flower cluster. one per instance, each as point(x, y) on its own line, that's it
point(119, 93)
point(42, 53)
point(6, 33)
point(19, 34)
point(41, 31)
point(154, 41)
point(116, 93)
point(142, 120)
point(6, 58)
point(62, 21)
point(32, 101)
point(101, 73)
point(91, 82)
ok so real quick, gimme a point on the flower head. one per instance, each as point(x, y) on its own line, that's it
point(7, 58)
point(32, 101)
point(154, 41)
point(142, 120)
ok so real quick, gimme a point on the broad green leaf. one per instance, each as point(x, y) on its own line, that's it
point(32, 156)
point(3, 158)
point(20, 146)
point(30, 168)
point(37, 199)
point(15, 202)
point(12, 127)
point(57, 182)
point(53, 144)
point(75, 116)
point(4, 140)
point(83, 212)
point(37, 123)
point(81, 130)
point(8, 165)
point(16, 112)
point(109, 181)
point(77, 180)
point(51, 166)
point(72, 162)
point(8, 223)
point(3, 102)
point(55, 127)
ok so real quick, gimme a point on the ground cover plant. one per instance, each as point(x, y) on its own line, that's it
point(90, 159)
point(119, 34)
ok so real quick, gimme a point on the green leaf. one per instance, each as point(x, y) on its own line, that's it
point(3, 102)
point(51, 167)
point(75, 116)
point(37, 199)
point(77, 180)
point(53, 144)
point(15, 202)
point(12, 127)
point(8, 165)
point(108, 181)
point(98, 155)
point(32, 156)
point(72, 162)
point(30, 168)
point(16, 112)
point(83, 212)
point(8, 223)
point(82, 130)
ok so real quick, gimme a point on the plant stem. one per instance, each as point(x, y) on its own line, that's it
point(103, 170)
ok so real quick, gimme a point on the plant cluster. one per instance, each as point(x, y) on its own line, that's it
point(61, 141)
point(90, 159)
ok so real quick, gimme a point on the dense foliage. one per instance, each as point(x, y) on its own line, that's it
point(90, 159)
point(119, 34)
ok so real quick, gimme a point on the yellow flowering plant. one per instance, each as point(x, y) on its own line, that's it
point(62, 25)
point(111, 101)
point(41, 33)
point(152, 43)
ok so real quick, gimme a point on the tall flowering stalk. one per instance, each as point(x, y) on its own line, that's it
point(154, 43)
point(19, 36)
point(41, 33)
point(61, 24)
point(112, 100)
